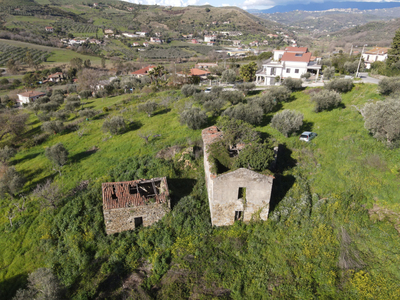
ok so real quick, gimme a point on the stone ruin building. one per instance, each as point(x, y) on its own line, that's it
point(234, 195)
point(131, 204)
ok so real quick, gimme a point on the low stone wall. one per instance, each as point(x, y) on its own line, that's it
point(122, 219)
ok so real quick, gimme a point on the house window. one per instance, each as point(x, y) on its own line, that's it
point(288, 70)
point(138, 222)
point(238, 215)
point(299, 54)
point(242, 193)
point(296, 71)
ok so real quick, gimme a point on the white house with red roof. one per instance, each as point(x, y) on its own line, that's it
point(143, 72)
point(289, 62)
point(49, 29)
point(29, 96)
point(375, 54)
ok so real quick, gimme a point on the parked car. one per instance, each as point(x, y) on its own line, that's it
point(307, 136)
point(207, 90)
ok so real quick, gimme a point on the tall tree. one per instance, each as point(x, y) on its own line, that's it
point(248, 71)
point(12, 124)
point(394, 51)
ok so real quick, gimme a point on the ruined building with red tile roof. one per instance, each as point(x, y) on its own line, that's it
point(131, 204)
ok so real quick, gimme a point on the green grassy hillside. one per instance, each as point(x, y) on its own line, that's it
point(331, 225)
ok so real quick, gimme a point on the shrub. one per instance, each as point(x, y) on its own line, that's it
point(326, 100)
point(306, 75)
point(203, 97)
point(42, 100)
point(388, 86)
point(188, 90)
point(256, 156)
point(382, 119)
point(351, 66)
point(251, 113)
point(339, 85)
point(53, 126)
point(71, 88)
point(57, 98)
point(148, 107)
point(85, 94)
point(292, 84)
point(287, 121)
point(266, 103)
point(232, 96)
point(329, 72)
point(194, 118)
point(114, 125)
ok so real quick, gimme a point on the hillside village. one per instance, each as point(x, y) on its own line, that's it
point(158, 152)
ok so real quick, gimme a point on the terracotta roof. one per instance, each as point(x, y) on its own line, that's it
point(56, 75)
point(32, 94)
point(143, 70)
point(377, 51)
point(290, 56)
point(198, 72)
point(211, 134)
point(134, 193)
point(296, 49)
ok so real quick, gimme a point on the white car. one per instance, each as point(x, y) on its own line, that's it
point(207, 90)
point(307, 136)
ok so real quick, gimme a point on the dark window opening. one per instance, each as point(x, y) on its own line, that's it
point(113, 195)
point(296, 70)
point(133, 189)
point(242, 193)
point(287, 70)
point(238, 215)
point(299, 54)
point(138, 222)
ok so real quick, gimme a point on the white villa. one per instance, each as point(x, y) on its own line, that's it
point(375, 54)
point(290, 62)
point(29, 96)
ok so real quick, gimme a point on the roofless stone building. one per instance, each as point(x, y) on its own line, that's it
point(234, 195)
point(131, 204)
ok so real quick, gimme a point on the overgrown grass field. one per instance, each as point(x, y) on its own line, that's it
point(319, 242)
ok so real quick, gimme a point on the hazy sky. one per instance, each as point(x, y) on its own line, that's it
point(245, 4)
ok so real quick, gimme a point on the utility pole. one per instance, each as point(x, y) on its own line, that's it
point(351, 50)
point(359, 63)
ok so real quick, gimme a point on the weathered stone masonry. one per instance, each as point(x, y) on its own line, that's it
point(235, 195)
point(131, 204)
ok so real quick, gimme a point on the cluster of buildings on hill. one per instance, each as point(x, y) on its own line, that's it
point(236, 195)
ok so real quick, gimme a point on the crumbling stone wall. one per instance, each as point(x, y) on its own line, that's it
point(238, 194)
point(122, 219)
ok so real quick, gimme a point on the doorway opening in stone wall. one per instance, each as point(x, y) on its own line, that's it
point(242, 193)
point(238, 215)
point(138, 222)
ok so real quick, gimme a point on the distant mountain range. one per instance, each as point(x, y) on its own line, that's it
point(314, 6)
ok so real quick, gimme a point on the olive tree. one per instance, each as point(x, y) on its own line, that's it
point(193, 117)
point(382, 119)
point(11, 182)
point(287, 121)
point(339, 85)
point(292, 84)
point(114, 125)
point(233, 97)
point(246, 87)
point(329, 72)
point(53, 127)
point(6, 154)
point(326, 100)
point(49, 194)
point(214, 106)
point(251, 113)
point(388, 86)
point(188, 90)
point(58, 155)
point(228, 76)
point(149, 107)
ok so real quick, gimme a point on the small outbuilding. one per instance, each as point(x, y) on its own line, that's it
point(132, 204)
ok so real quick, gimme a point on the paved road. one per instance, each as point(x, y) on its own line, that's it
point(367, 79)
